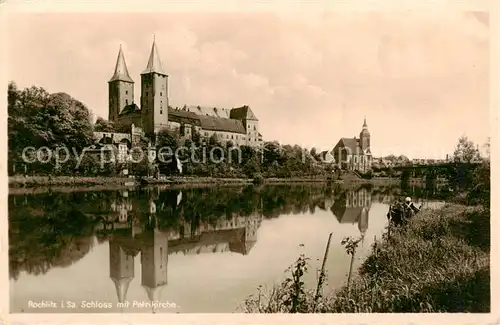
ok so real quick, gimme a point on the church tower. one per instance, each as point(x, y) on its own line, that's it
point(154, 94)
point(364, 137)
point(120, 88)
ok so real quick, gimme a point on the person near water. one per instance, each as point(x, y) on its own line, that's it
point(399, 212)
point(410, 205)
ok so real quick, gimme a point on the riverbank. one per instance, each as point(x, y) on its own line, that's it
point(438, 263)
point(44, 181)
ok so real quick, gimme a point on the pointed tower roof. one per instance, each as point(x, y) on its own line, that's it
point(121, 286)
point(154, 295)
point(121, 71)
point(154, 62)
point(365, 129)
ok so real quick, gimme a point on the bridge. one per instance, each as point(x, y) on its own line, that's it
point(440, 167)
point(445, 173)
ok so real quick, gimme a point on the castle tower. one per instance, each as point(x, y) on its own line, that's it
point(121, 269)
point(154, 260)
point(120, 88)
point(364, 137)
point(154, 94)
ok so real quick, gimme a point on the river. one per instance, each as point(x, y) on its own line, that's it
point(198, 250)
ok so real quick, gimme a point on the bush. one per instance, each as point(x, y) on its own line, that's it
point(258, 179)
point(438, 262)
point(368, 174)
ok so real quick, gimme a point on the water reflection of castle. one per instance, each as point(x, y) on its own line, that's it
point(237, 234)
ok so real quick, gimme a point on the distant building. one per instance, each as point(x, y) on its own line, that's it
point(238, 125)
point(353, 153)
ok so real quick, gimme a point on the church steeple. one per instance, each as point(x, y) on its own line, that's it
point(154, 94)
point(120, 88)
point(121, 71)
point(364, 136)
point(154, 63)
point(121, 286)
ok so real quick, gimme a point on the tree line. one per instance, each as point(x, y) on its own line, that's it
point(38, 119)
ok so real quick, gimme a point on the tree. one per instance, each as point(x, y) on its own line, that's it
point(213, 141)
point(466, 151)
point(121, 127)
point(314, 153)
point(196, 137)
point(168, 138)
point(37, 118)
point(102, 125)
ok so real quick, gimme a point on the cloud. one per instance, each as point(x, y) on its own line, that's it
point(310, 78)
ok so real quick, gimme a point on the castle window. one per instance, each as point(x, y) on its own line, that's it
point(146, 93)
point(161, 94)
point(161, 111)
point(254, 128)
point(126, 92)
point(126, 101)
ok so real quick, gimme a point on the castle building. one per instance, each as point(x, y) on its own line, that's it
point(238, 125)
point(354, 154)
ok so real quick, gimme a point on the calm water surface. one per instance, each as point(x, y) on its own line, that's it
point(194, 250)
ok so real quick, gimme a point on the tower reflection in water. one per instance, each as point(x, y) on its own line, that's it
point(130, 236)
point(353, 206)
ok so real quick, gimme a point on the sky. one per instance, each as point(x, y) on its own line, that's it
point(421, 78)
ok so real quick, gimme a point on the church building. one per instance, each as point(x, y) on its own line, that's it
point(353, 153)
point(153, 112)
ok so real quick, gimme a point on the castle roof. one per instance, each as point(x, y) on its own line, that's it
point(130, 108)
point(206, 122)
point(154, 62)
point(221, 124)
point(181, 116)
point(207, 110)
point(241, 247)
point(121, 71)
point(243, 113)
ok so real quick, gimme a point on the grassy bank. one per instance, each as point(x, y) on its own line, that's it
point(438, 263)
point(39, 181)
